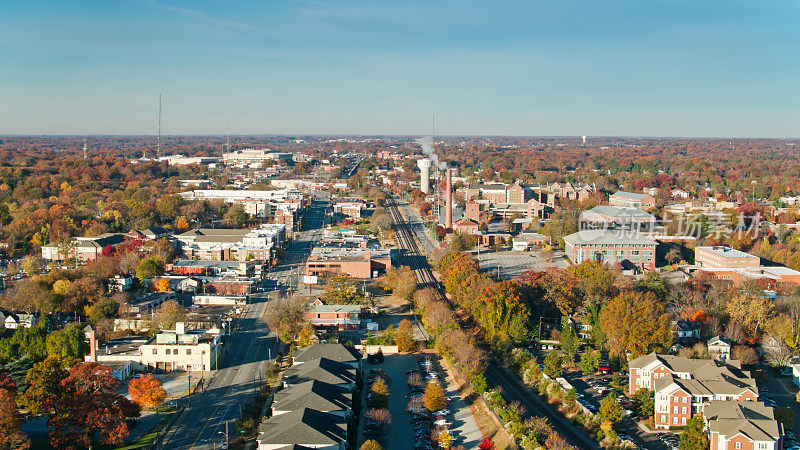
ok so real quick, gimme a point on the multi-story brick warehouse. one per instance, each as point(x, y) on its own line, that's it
point(682, 387)
point(612, 247)
point(719, 257)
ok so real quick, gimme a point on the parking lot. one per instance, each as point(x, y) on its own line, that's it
point(512, 264)
point(413, 430)
point(593, 388)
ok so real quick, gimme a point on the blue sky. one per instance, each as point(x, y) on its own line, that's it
point(567, 67)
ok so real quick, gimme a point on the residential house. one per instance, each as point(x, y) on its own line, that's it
point(336, 352)
point(13, 321)
point(683, 329)
point(719, 347)
point(322, 369)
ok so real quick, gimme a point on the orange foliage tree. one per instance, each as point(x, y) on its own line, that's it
point(161, 285)
point(86, 404)
point(147, 391)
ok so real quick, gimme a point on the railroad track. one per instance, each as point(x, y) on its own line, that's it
point(496, 374)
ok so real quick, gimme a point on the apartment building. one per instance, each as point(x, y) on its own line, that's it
point(682, 387)
point(742, 425)
point(222, 244)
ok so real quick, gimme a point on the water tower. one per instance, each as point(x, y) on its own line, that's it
point(425, 175)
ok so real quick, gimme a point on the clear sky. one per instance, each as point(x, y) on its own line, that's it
point(529, 67)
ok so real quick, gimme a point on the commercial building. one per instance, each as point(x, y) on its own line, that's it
point(612, 247)
point(774, 277)
point(632, 199)
point(616, 218)
point(720, 257)
point(221, 244)
point(340, 317)
point(251, 157)
point(355, 262)
point(182, 349)
point(211, 268)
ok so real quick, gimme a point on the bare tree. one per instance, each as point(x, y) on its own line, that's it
point(776, 352)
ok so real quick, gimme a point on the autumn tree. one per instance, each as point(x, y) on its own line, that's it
point(404, 337)
point(433, 397)
point(380, 394)
point(149, 268)
point(146, 391)
point(11, 434)
point(161, 285)
point(168, 314)
point(86, 405)
point(342, 290)
point(236, 217)
point(371, 444)
point(635, 322)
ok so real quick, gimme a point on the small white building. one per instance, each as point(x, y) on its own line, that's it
point(719, 348)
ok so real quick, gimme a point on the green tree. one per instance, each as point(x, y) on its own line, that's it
point(342, 290)
point(785, 416)
point(149, 268)
point(104, 309)
point(168, 314)
point(643, 403)
point(610, 410)
point(694, 436)
point(569, 341)
point(553, 365)
point(479, 383)
point(572, 396)
point(43, 379)
point(590, 361)
point(68, 342)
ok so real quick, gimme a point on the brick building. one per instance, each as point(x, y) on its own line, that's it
point(719, 257)
point(632, 199)
point(612, 247)
point(682, 387)
point(742, 425)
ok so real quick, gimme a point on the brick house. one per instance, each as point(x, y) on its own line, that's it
point(466, 226)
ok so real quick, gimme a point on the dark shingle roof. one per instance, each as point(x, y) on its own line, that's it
point(303, 427)
point(322, 369)
point(314, 395)
point(336, 352)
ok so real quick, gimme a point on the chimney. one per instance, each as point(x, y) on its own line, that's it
point(448, 205)
point(92, 345)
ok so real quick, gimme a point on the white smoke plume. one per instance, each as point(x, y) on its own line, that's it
point(427, 148)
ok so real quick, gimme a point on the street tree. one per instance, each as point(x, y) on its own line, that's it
point(147, 391)
point(694, 436)
point(433, 397)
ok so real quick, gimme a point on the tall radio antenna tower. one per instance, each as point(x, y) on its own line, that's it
point(228, 141)
point(158, 139)
point(84, 148)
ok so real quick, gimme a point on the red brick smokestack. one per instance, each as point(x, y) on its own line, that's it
point(448, 202)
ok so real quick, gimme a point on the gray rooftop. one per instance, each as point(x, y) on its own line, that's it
point(608, 237)
point(304, 427)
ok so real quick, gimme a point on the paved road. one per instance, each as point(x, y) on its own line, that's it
point(202, 424)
